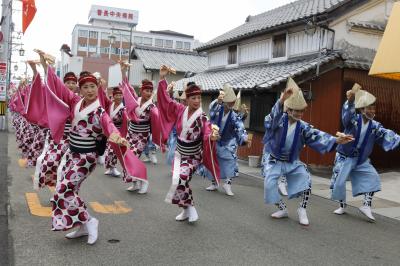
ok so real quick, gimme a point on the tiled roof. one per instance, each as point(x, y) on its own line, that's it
point(367, 25)
point(182, 61)
point(355, 56)
point(295, 11)
point(260, 76)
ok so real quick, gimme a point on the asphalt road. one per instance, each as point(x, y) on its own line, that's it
point(231, 230)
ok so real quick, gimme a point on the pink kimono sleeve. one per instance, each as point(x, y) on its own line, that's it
point(156, 128)
point(130, 103)
point(210, 160)
point(105, 102)
point(134, 168)
point(58, 88)
point(168, 108)
point(36, 111)
point(126, 84)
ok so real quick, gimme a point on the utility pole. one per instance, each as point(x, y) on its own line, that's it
point(5, 56)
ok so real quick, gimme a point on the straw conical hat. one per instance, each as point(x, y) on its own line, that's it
point(356, 88)
point(386, 61)
point(296, 101)
point(230, 95)
point(238, 102)
point(363, 99)
point(183, 96)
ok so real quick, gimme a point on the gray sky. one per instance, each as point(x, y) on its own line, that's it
point(205, 19)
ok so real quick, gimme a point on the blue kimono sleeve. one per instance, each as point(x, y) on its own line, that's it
point(318, 140)
point(272, 120)
point(386, 138)
point(349, 114)
point(215, 107)
point(241, 133)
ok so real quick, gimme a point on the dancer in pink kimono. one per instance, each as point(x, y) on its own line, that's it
point(117, 113)
point(51, 157)
point(91, 126)
point(144, 120)
point(195, 143)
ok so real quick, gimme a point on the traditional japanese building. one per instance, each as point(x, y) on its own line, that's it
point(325, 45)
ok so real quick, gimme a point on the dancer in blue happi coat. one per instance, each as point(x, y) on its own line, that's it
point(285, 136)
point(232, 133)
point(352, 159)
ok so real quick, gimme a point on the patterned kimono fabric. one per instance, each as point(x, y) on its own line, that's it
point(116, 115)
point(68, 209)
point(352, 162)
point(188, 156)
point(139, 133)
point(52, 156)
point(283, 144)
point(17, 125)
point(37, 145)
point(26, 133)
point(232, 134)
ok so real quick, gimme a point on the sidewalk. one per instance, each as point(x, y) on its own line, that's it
point(386, 202)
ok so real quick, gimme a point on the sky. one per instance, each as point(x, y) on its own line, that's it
point(204, 19)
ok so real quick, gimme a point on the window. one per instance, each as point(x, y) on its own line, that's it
point(168, 43)
point(93, 34)
point(261, 106)
point(179, 45)
point(105, 50)
point(104, 35)
point(138, 40)
point(115, 51)
point(147, 41)
point(83, 33)
point(125, 52)
point(92, 48)
point(187, 45)
point(279, 46)
point(232, 54)
point(82, 46)
point(158, 42)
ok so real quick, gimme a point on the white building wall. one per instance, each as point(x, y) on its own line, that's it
point(374, 12)
point(255, 51)
point(301, 43)
point(218, 58)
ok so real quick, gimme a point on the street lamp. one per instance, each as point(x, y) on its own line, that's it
point(111, 40)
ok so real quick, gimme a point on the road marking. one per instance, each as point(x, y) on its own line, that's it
point(35, 207)
point(22, 163)
point(119, 207)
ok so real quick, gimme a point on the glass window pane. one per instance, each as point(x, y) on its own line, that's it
point(83, 33)
point(138, 40)
point(168, 43)
point(187, 45)
point(159, 43)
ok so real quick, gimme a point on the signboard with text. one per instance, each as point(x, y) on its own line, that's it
point(114, 14)
point(3, 81)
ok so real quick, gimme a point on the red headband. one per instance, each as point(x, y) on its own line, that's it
point(88, 78)
point(146, 85)
point(192, 90)
point(70, 78)
point(117, 91)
